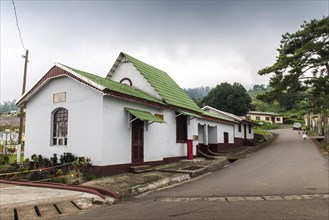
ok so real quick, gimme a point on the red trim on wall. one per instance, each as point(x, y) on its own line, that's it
point(111, 170)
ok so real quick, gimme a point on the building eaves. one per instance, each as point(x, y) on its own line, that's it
point(215, 117)
point(264, 113)
point(225, 114)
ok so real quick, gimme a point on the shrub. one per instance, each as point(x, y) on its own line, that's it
point(59, 172)
point(4, 159)
point(34, 157)
point(67, 158)
point(84, 164)
point(292, 121)
point(266, 125)
point(15, 166)
point(46, 162)
point(54, 160)
point(11, 150)
point(38, 175)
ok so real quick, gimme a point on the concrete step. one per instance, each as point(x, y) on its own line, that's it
point(27, 212)
point(67, 207)
point(48, 211)
point(194, 171)
point(7, 214)
point(139, 169)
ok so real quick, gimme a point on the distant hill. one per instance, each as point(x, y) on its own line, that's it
point(199, 92)
point(258, 90)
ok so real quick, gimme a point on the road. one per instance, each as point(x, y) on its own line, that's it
point(288, 166)
point(269, 184)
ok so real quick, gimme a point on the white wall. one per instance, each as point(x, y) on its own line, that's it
point(212, 134)
point(201, 134)
point(221, 128)
point(159, 139)
point(251, 134)
point(238, 134)
point(241, 134)
point(226, 128)
point(127, 70)
point(84, 107)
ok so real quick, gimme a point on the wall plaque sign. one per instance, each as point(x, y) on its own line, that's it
point(195, 137)
point(159, 116)
point(59, 97)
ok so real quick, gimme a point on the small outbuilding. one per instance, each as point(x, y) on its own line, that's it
point(243, 134)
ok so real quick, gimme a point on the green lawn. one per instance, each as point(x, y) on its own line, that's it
point(261, 132)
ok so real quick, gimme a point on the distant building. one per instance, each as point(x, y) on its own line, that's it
point(271, 117)
point(243, 133)
point(316, 122)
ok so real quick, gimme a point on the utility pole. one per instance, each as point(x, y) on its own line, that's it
point(21, 118)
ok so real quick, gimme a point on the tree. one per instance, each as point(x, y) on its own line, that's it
point(287, 101)
point(259, 87)
point(8, 106)
point(229, 98)
point(303, 65)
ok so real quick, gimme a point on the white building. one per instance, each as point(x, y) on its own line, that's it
point(136, 115)
point(243, 134)
point(270, 117)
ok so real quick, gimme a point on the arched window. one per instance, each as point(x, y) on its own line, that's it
point(60, 127)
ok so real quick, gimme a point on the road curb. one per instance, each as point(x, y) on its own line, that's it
point(102, 193)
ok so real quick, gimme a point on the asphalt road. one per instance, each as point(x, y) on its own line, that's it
point(251, 210)
point(289, 166)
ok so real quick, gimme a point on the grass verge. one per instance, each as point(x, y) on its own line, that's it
point(325, 145)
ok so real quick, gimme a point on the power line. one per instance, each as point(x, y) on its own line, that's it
point(19, 30)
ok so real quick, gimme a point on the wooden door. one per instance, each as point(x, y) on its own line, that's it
point(137, 151)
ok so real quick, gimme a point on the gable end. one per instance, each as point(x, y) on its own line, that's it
point(54, 72)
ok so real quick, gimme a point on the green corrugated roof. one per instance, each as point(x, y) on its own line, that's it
point(164, 85)
point(115, 86)
point(170, 91)
point(144, 115)
point(217, 116)
point(188, 113)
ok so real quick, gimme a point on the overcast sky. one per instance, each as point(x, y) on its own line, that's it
point(198, 43)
